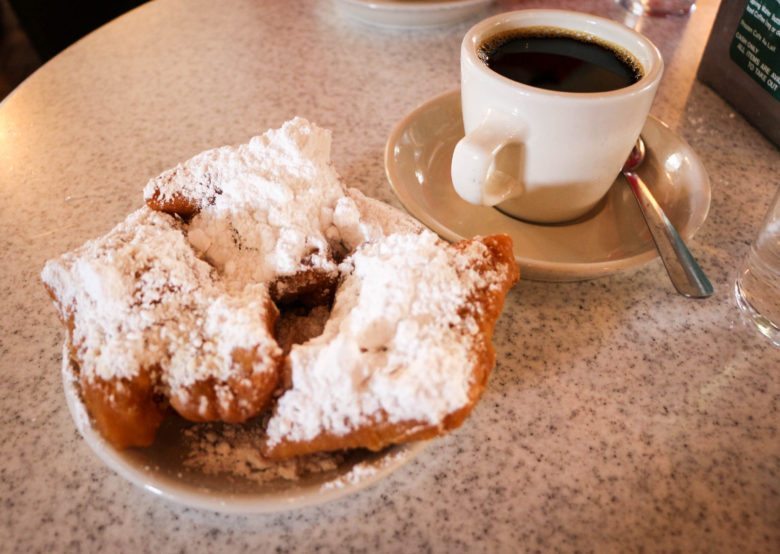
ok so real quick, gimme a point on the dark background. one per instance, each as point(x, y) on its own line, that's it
point(34, 31)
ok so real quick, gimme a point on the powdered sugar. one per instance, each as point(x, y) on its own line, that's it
point(368, 470)
point(139, 297)
point(396, 343)
point(269, 208)
point(233, 451)
point(360, 219)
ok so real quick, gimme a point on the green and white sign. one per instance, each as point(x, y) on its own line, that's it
point(756, 44)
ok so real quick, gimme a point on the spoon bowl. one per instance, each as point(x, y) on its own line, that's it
point(685, 273)
point(636, 157)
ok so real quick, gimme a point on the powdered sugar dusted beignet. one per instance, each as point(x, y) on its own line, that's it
point(266, 211)
point(176, 305)
point(407, 349)
point(148, 322)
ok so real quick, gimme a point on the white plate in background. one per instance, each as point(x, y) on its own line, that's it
point(408, 14)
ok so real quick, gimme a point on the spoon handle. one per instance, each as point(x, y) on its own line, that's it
point(686, 275)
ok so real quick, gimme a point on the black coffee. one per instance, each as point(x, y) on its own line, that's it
point(556, 59)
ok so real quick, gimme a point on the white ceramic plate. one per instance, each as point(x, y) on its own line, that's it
point(161, 468)
point(612, 238)
point(409, 13)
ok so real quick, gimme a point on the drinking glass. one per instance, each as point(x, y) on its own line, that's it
point(757, 288)
point(658, 7)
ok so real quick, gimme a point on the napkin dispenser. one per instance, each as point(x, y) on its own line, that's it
point(742, 61)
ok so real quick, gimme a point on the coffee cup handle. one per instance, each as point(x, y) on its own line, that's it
point(476, 175)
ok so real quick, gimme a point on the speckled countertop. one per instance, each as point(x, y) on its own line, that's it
point(620, 417)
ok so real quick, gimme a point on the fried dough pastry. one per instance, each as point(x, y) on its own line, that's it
point(262, 211)
point(406, 352)
point(149, 324)
point(176, 306)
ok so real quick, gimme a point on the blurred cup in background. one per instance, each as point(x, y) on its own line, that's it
point(757, 288)
point(658, 7)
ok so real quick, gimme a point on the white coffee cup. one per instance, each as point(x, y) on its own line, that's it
point(539, 154)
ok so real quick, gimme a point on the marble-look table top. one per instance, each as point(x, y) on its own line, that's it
point(620, 417)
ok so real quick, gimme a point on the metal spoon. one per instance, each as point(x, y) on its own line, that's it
point(686, 275)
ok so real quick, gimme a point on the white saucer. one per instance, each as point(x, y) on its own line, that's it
point(611, 239)
point(161, 468)
point(400, 13)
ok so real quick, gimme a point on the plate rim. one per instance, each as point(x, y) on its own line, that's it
point(540, 270)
